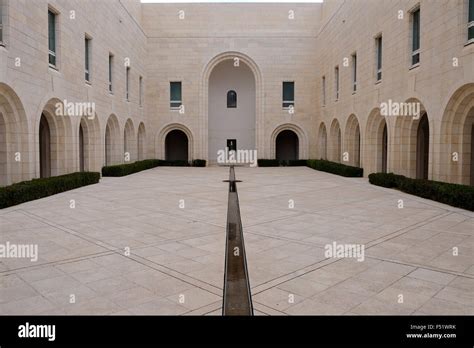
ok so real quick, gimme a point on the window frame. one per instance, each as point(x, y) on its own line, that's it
point(323, 87)
point(175, 104)
point(53, 55)
point(140, 91)
point(336, 82)
point(378, 57)
point(3, 10)
point(233, 104)
point(354, 72)
point(88, 56)
point(470, 21)
point(287, 103)
point(111, 73)
point(127, 83)
point(415, 55)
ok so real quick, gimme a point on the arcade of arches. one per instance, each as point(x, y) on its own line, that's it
point(403, 145)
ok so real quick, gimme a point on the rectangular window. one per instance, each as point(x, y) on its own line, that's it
point(354, 72)
point(1, 21)
point(288, 94)
point(336, 82)
point(111, 64)
point(378, 57)
point(52, 38)
point(415, 51)
point(140, 91)
point(87, 58)
point(175, 95)
point(324, 90)
point(127, 84)
point(470, 21)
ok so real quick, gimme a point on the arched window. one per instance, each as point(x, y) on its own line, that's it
point(231, 99)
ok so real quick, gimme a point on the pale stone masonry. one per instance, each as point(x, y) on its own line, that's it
point(299, 43)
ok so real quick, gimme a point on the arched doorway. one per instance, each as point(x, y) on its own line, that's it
point(384, 148)
point(3, 152)
point(176, 146)
point(335, 134)
point(129, 145)
point(323, 142)
point(352, 141)
point(376, 143)
point(287, 146)
point(422, 148)
point(231, 106)
point(81, 149)
point(113, 154)
point(141, 142)
point(45, 147)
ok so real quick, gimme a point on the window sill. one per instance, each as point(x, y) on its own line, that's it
point(354, 92)
point(378, 82)
point(88, 83)
point(414, 66)
point(54, 68)
point(470, 42)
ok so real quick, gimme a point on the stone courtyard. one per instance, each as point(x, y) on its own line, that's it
point(154, 243)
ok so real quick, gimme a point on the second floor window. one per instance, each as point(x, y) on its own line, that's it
point(127, 84)
point(470, 21)
point(288, 94)
point(231, 99)
point(1, 21)
point(336, 82)
point(111, 64)
point(140, 91)
point(87, 58)
point(52, 38)
point(378, 58)
point(175, 95)
point(415, 37)
point(354, 72)
point(324, 90)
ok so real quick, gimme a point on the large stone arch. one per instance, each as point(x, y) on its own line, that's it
point(406, 142)
point(14, 144)
point(129, 142)
point(113, 153)
point(59, 157)
point(335, 138)
point(90, 145)
point(352, 141)
point(160, 141)
point(204, 99)
point(302, 139)
point(456, 157)
point(141, 142)
point(376, 152)
point(322, 142)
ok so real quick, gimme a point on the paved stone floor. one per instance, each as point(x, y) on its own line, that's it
point(176, 259)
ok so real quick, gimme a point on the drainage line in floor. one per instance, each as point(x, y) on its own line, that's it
point(237, 298)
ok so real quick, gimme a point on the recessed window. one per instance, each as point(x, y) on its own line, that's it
point(288, 94)
point(127, 84)
point(378, 58)
point(354, 72)
point(52, 21)
point(140, 90)
point(415, 36)
point(323, 88)
point(231, 99)
point(470, 21)
point(336, 82)
point(87, 58)
point(1, 22)
point(175, 95)
point(111, 66)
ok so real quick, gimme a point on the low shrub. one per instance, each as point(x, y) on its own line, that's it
point(461, 196)
point(39, 188)
point(199, 163)
point(268, 163)
point(130, 168)
point(335, 168)
point(297, 163)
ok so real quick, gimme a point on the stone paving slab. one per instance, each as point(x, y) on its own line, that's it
point(128, 247)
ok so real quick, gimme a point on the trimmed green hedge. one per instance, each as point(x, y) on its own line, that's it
point(268, 163)
point(135, 167)
point(461, 196)
point(336, 168)
point(39, 188)
point(279, 163)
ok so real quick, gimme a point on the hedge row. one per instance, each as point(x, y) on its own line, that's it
point(38, 188)
point(279, 163)
point(135, 167)
point(461, 196)
point(336, 168)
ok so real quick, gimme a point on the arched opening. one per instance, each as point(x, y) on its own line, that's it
point(113, 154)
point(352, 140)
point(44, 148)
point(456, 162)
point(3, 152)
point(129, 142)
point(176, 146)
point(376, 144)
point(287, 146)
point(335, 134)
point(141, 142)
point(226, 121)
point(81, 149)
point(422, 148)
point(323, 141)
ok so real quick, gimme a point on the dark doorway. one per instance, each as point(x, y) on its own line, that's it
point(422, 148)
point(384, 148)
point(287, 146)
point(472, 156)
point(81, 148)
point(232, 144)
point(45, 148)
point(176, 146)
